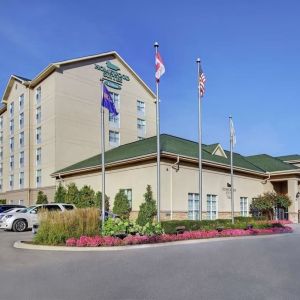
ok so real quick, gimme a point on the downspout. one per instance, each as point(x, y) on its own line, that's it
point(176, 167)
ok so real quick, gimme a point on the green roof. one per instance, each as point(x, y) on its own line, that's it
point(210, 148)
point(269, 163)
point(289, 157)
point(170, 144)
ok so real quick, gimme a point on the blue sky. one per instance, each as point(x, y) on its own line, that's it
point(249, 50)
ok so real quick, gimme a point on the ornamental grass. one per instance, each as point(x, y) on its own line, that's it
point(56, 227)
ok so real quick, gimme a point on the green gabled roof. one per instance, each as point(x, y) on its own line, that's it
point(170, 144)
point(269, 163)
point(210, 148)
point(289, 157)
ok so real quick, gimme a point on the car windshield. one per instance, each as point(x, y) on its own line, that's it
point(25, 210)
point(8, 210)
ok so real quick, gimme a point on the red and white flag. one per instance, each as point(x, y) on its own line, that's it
point(159, 66)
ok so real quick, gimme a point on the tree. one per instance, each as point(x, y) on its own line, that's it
point(121, 205)
point(266, 203)
point(41, 198)
point(72, 194)
point(86, 197)
point(60, 194)
point(147, 209)
point(98, 201)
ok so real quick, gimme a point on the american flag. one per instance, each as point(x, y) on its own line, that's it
point(202, 80)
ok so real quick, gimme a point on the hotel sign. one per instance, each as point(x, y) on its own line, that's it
point(113, 78)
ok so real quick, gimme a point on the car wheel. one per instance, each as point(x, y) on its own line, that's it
point(19, 226)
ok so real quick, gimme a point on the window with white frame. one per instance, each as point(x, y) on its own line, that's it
point(114, 120)
point(11, 144)
point(38, 177)
point(1, 137)
point(1, 122)
point(1, 169)
point(140, 107)
point(38, 115)
point(114, 138)
point(38, 135)
point(116, 99)
point(21, 180)
point(1, 153)
point(11, 127)
point(128, 193)
point(212, 212)
point(21, 139)
point(244, 206)
point(11, 163)
point(11, 181)
point(21, 160)
point(141, 126)
point(1, 184)
point(21, 120)
point(21, 202)
point(21, 102)
point(11, 110)
point(38, 95)
point(193, 206)
point(38, 156)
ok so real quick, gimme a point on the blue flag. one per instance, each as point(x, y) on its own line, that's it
point(108, 102)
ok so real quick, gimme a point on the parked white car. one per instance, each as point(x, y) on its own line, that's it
point(26, 218)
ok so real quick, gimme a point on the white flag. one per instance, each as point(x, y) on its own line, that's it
point(232, 133)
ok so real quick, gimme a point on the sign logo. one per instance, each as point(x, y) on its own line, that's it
point(113, 78)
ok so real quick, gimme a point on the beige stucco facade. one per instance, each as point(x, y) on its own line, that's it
point(177, 184)
point(68, 123)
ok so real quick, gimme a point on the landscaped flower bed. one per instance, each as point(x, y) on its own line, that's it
point(99, 241)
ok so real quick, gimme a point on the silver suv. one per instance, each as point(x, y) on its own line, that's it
point(25, 219)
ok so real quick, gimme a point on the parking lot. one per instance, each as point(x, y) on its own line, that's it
point(244, 268)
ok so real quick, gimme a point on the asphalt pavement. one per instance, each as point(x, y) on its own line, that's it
point(245, 268)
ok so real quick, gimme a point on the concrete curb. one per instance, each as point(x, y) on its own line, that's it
point(25, 246)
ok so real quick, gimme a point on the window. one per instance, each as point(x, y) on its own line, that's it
point(1, 184)
point(21, 160)
point(212, 207)
point(68, 206)
point(1, 123)
point(21, 139)
point(1, 169)
point(141, 126)
point(244, 206)
point(116, 99)
point(11, 110)
point(38, 177)
point(38, 135)
point(11, 181)
point(21, 180)
point(114, 121)
point(140, 107)
point(1, 153)
point(11, 144)
point(21, 120)
point(21, 202)
point(1, 137)
point(38, 95)
point(128, 193)
point(193, 206)
point(11, 127)
point(38, 156)
point(38, 115)
point(114, 138)
point(11, 163)
point(21, 102)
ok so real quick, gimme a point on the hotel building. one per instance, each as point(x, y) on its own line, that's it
point(53, 120)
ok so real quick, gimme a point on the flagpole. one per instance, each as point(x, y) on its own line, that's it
point(231, 170)
point(198, 61)
point(103, 159)
point(157, 143)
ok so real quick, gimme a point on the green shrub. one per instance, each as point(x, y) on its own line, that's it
point(41, 198)
point(2, 201)
point(148, 209)
point(86, 197)
point(60, 194)
point(121, 205)
point(72, 194)
point(98, 201)
point(56, 227)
